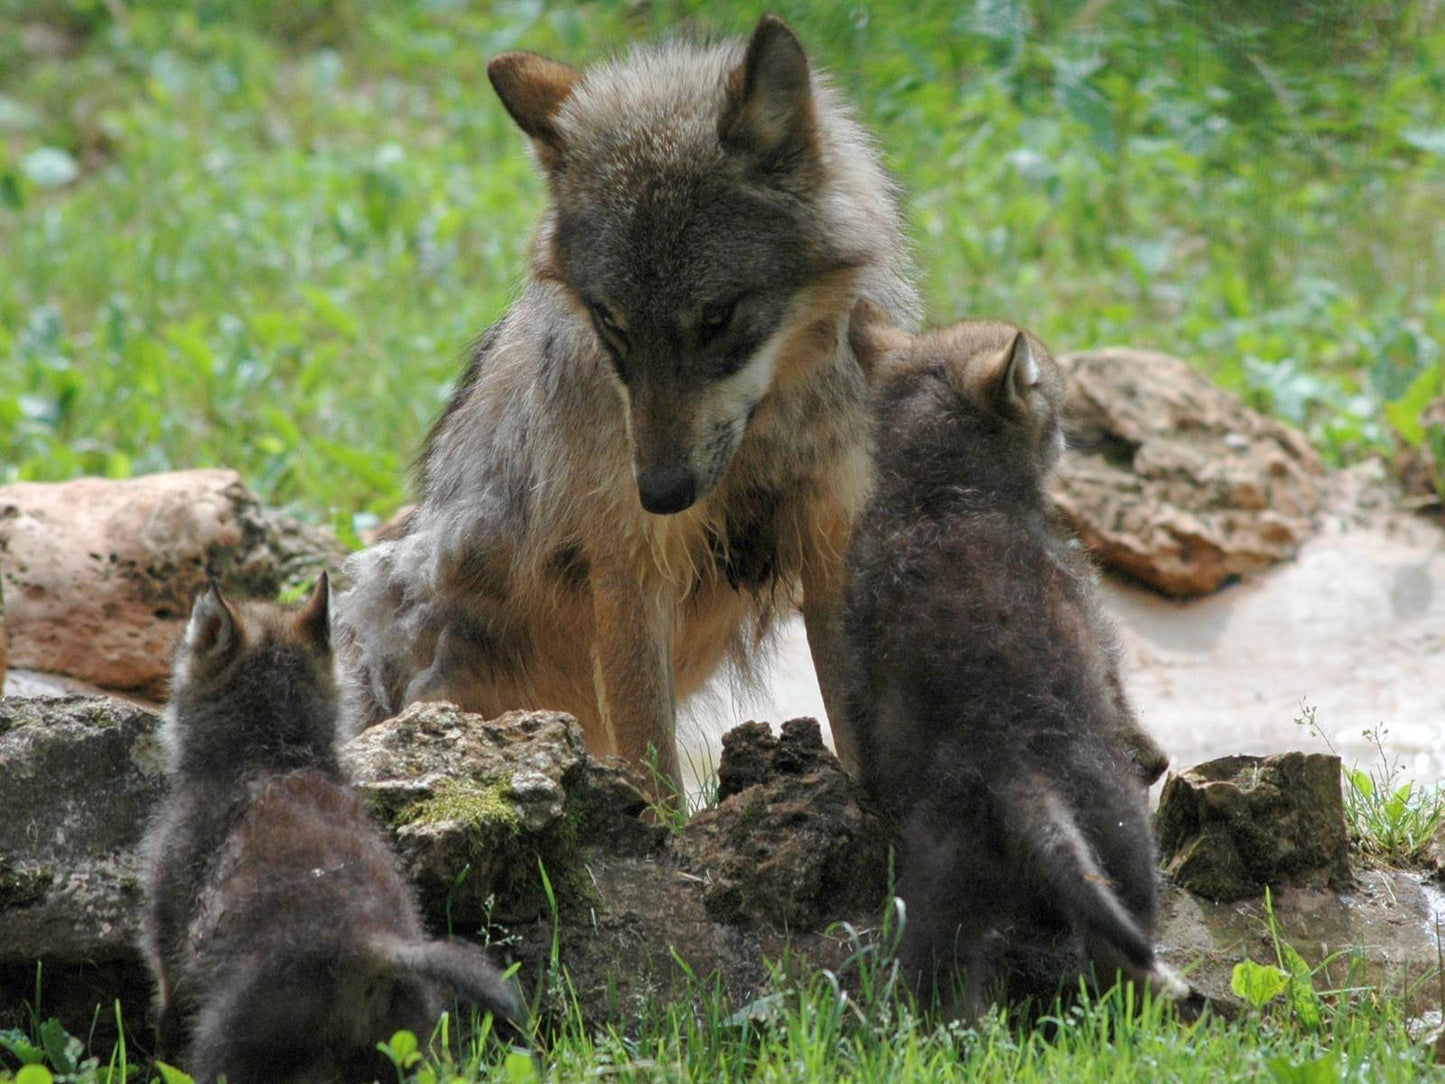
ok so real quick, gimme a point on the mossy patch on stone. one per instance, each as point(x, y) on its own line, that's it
point(477, 804)
point(21, 886)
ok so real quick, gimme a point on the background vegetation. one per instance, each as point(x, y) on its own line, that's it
point(259, 233)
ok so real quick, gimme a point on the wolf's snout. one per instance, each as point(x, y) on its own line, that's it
point(666, 490)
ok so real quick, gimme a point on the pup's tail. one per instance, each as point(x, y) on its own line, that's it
point(460, 971)
point(1047, 831)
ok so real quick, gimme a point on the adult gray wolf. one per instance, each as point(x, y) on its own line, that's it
point(284, 941)
point(665, 438)
point(984, 695)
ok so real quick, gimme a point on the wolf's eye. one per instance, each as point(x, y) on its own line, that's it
point(716, 315)
point(603, 315)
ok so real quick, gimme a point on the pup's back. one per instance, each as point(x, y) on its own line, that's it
point(284, 939)
point(987, 704)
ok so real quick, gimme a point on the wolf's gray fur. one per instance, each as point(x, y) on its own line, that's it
point(665, 436)
point(284, 941)
point(985, 698)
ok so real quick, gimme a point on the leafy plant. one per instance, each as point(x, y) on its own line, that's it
point(1392, 818)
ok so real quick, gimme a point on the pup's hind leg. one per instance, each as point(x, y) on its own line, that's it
point(954, 901)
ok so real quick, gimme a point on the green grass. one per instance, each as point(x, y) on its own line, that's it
point(1391, 819)
point(813, 1034)
point(288, 220)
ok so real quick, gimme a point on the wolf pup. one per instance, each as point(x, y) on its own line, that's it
point(284, 942)
point(666, 435)
point(985, 700)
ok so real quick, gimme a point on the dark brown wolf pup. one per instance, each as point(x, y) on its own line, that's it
point(284, 942)
point(986, 700)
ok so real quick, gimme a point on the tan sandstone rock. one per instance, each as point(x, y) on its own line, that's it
point(1175, 482)
point(100, 573)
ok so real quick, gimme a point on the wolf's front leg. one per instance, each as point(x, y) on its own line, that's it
point(632, 673)
point(824, 578)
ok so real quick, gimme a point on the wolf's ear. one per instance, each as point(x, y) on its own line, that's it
point(875, 339)
point(768, 115)
point(313, 620)
point(533, 89)
point(211, 633)
point(1010, 379)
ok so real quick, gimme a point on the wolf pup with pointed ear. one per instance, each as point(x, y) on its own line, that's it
point(284, 941)
point(664, 440)
point(985, 694)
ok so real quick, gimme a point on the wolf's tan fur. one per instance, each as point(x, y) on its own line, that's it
point(529, 575)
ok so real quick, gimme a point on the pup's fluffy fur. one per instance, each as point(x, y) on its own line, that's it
point(665, 436)
point(987, 704)
point(284, 942)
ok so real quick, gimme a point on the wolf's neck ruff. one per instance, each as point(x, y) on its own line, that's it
point(668, 426)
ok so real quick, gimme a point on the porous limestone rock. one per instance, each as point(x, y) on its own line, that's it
point(1173, 481)
point(1229, 827)
point(99, 573)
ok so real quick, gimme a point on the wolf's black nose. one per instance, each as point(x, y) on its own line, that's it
point(667, 490)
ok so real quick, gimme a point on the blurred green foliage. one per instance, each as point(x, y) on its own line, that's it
point(260, 233)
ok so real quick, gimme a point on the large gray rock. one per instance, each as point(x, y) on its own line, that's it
point(100, 573)
point(4, 640)
point(81, 775)
point(1175, 482)
point(1229, 827)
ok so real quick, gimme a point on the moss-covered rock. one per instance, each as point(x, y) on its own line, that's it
point(480, 808)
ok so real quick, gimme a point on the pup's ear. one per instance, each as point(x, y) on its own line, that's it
point(875, 339)
point(768, 116)
point(211, 633)
point(533, 89)
point(1010, 379)
point(313, 620)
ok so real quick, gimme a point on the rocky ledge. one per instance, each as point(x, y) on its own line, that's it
point(518, 838)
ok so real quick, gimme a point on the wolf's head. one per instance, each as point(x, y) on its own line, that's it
point(687, 226)
point(978, 401)
point(253, 686)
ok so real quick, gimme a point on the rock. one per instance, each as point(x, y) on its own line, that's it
point(100, 573)
point(4, 640)
point(792, 842)
point(1229, 827)
point(1173, 481)
point(35, 683)
point(1421, 469)
point(636, 914)
point(1432, 858)
point(81, 775)
point(475, 805)
point(634, 910)
point(391, 529)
